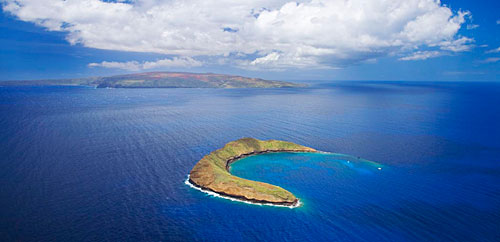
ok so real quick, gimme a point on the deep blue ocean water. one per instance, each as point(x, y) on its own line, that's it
point(84, 164)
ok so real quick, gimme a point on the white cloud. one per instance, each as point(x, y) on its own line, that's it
point(421, 55)
point(255, 33)
point(491, 60)
point(270, 58)
point(457, 45)
point(497, 50)
point(136, 66)
point(130, 65)
point(472, 26)
point(498, 21)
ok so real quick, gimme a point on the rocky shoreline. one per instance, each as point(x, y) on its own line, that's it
point(294, 204)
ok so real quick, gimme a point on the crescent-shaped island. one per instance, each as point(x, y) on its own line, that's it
point(211, 173)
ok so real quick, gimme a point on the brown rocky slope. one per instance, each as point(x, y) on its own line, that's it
point(212, 172)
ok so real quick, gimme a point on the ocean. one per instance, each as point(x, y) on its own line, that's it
point(85, 164)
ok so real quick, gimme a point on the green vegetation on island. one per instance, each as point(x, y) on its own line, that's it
point(160, 80)
point(212, 172)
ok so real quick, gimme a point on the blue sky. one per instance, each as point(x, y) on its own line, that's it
point(318, 40)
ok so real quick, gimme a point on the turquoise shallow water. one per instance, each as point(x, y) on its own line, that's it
point(84, 164)
point(313, 177)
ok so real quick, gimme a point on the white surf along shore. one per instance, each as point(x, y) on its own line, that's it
point(214, 194)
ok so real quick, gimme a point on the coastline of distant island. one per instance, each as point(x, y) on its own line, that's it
point(161, 80)
point(211, 173)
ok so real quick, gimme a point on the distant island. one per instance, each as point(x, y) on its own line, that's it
point(211, 173)
point(160, 80)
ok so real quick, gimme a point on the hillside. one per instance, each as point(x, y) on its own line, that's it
point(161, 80)
point(212, 172)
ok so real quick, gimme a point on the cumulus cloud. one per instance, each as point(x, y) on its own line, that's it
point(270, 58)
point(136, 66)
point(254, 33)
point(457, 45)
